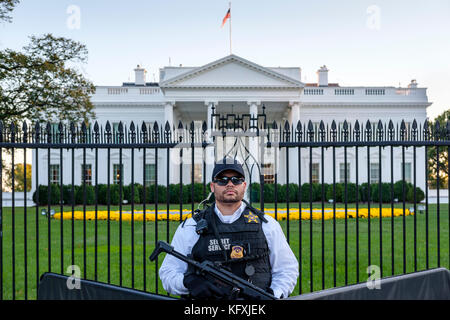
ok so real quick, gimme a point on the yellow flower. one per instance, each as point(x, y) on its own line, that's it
point(282, 214)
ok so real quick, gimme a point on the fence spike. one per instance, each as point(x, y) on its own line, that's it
point(345, 130)
point(403, 130)
point(357, 130)
point(24, 132)
point(167, 127)
point(380, 130)
point(96, 132)
point(132, 133)
point(391, 130)
point(37, 132)
point(310, 126)
point(414, 130)
point(1, 131)
point(48, 131)
point(368, 130)
point(437, 130)
point(143, 127)
point(447, 127)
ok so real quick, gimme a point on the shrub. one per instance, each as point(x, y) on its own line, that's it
point(338, 189)
point(398, 190)
point(316, 192)
point(385, 192)
point(43, 195)
point(420, 195)
point(254, 192)
point(128, 193)
point(79, 195)
point(269, 192)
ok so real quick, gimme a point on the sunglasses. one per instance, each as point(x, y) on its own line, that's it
point(223, 181)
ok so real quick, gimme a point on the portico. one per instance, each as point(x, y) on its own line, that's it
point(231, 85)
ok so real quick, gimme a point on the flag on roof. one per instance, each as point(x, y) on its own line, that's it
point(227, 16)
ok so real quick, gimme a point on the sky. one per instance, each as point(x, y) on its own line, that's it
point(363, 43)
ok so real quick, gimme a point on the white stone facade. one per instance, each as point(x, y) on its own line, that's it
point(235, 85)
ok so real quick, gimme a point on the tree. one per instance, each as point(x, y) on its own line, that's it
point(441, 133)
point(6, 6)
point(19, 177)
point(43, 81)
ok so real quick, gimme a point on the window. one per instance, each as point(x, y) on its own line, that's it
point(54, 174)
point(117, 173)
point(342, 172)
point(374, 172)
point(86, 174)
point(150, 174)
point(315, 172)
point(269, 174)
point(198, 173)
point(407, 166)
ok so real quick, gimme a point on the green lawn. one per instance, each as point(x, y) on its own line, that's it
point(134, 276)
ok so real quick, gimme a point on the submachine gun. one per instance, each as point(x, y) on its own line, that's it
point(240, 286)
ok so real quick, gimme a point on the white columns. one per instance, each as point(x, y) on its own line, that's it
point(209, 151)
point(294, 117)
point(168, 113)
point(168, 117)
point(211, 123)
point(253, 144)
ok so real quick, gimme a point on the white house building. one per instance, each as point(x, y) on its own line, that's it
point(235, 85)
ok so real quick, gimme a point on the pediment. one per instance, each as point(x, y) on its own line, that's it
point(231, 72)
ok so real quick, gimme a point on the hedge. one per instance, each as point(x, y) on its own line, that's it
point(269, 193)
point(353, 194)
point(114, 194)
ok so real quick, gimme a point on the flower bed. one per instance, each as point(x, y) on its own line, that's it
point(294, 214)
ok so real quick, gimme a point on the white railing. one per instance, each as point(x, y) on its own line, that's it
point(117, 91)
point(366, 93)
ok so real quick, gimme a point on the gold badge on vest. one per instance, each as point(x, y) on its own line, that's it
point(237, 252)
point(251, 217)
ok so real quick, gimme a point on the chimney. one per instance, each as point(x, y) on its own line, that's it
point(323, 76)
point(140, 76)
point(413, 84)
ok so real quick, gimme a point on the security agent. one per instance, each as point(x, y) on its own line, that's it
point(235, 235)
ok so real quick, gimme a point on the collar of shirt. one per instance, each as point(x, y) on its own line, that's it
point(231, 218)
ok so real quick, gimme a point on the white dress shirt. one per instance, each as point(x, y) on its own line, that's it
point(282, 260)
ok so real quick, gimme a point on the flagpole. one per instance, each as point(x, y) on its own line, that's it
point(230, 28)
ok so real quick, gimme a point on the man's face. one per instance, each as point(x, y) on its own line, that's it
point(230, 193)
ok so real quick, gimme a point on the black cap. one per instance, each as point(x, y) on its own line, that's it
point(227, 164)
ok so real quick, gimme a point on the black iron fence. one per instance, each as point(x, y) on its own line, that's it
point(353, 199)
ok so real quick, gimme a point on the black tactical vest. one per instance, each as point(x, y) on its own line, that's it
point(246, 250)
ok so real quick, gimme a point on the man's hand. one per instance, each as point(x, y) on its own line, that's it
point(201, 288)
